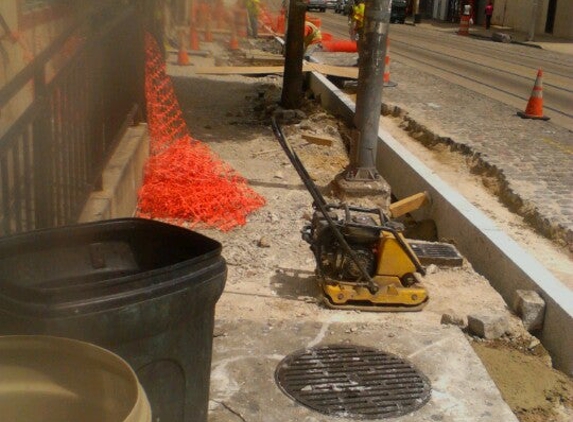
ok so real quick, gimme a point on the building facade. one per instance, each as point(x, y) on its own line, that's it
point(530, 16)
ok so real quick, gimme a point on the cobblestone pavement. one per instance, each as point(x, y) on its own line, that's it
point(528, 157)
point(530, 161)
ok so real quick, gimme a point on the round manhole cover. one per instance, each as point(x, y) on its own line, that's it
point(353, 382)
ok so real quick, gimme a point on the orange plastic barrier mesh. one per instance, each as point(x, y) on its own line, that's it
point(185, 182)
point(266, 19)
point(341, 46)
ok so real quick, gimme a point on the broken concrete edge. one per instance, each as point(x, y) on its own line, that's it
point(531, 308)
point(548, 227)
point(491, 252)
point(488, 326)
point(511, 41)
point(122, 177)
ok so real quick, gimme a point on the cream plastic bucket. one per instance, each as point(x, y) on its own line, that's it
point(54, 379)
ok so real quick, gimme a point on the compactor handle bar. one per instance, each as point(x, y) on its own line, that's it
point(320, 203)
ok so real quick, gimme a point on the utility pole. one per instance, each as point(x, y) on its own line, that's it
point(362, 176)
point(291, 96)
point(533, 21)
point(416, 12)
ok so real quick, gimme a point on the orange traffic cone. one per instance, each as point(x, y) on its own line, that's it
point(464, 25)
point(240, 20)
point(182, 56)
point(387, 82)
point(234, 42)
point(194, 39)
point(208, 33)
point(534, 109)
point(281, 23)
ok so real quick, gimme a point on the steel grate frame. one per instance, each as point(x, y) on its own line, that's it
point(442, 254)
point(352, 382)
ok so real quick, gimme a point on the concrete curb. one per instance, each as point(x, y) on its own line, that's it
point(491, 252)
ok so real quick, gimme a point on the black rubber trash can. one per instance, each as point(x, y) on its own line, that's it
point(140, 288)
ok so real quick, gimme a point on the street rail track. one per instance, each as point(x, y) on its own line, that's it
point(498, 71)
point(502, 80)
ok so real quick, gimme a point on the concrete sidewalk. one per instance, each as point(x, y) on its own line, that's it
point(247, 352)
point(544, 41)
point(270, 307)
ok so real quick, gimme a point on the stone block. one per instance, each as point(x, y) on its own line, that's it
point(530, 307)
point(451, 318)
point(488, 326)
point(501, 37)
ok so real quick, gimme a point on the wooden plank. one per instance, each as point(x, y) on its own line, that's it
point(266, 57)
point(409, 204)
point(347, 72)
point(318, 140)
point(266, 35)
point(340, 71)
point(238, 70)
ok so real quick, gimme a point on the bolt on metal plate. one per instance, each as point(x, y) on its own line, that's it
point(353, 382)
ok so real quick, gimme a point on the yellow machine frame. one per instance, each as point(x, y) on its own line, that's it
point(393, 267)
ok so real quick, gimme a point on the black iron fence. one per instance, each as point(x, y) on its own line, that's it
point(52, 156)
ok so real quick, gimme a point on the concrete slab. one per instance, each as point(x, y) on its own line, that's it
point(246, 353)
point(247, 350)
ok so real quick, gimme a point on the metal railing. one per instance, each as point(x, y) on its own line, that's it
point(52, 156)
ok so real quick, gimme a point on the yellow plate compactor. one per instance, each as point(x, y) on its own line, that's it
point(363, 260)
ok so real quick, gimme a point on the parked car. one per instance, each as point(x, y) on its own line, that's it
point(331, 4)
point(398, 11)
point(340, 6)
point(319, 5)
point(347, 11)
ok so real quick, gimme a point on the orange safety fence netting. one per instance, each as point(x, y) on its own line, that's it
point(273, 21)
point(334, 45)
point(184, 181)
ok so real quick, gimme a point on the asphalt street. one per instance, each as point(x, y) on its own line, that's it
point(503, 72)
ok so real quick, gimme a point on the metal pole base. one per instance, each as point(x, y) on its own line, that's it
point(362, 174)
point(364, 182)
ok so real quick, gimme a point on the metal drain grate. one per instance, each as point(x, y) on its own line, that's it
point(437, 253)
point(353, 382)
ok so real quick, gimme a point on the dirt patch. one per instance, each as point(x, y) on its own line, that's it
point(534, 391)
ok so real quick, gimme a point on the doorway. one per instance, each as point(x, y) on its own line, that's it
point(551, 8)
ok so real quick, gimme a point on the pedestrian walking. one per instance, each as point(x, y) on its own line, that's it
point(488, 13)
point(357, 26)
point(357, 20)
point(253, 8)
